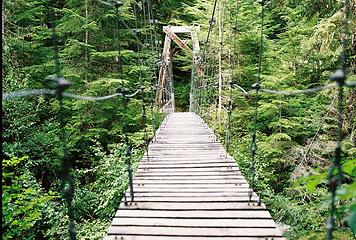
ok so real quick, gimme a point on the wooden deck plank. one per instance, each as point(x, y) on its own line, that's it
point(197, 190)
point(127, 237)
point(186, 176)
point(252, 223)
point(224, 173)
point(256, 213)
point(194, 170)
point(191, 194)
point(188, 188)
point(184, 231)
point(196, 206)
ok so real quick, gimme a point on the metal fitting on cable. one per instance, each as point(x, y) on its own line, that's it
point(262, 2)
point(118, 4)
point(212, 21)
point(62, 84)
point(256, 86)
point(339, 76)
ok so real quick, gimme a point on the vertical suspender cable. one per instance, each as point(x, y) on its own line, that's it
point(139, 63)
point(235, 27)
point(256, 87)
point(127, 147)
point(67, 182)
point(117, 5)
point(211, 22)
point(229, 111)
point(335, 173)
point(153, 86)
point(231, 66)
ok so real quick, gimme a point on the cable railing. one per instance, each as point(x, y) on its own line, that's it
point(339, 82)
point(59, 92)
point(201, 98)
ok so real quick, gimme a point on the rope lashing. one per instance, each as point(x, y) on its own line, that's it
point(256, 87)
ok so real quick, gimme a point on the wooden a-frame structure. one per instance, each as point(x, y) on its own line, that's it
point(165, 95)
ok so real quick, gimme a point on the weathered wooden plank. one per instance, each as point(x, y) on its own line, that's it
point(197, 190)
point(194, 199)
point(183, 231)
point(188, 165)
point(239, 223)
point(221, 173)
point(188, 189)
point(174, 163)
point(194, 170)
point(194, 181)
point(251, 208)
point(194, 214)
point(166, 160)
point(134, 237)
point(191, 194)
point(167, 177)
point(192, 186)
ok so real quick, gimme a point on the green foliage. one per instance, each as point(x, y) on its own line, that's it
point(89, 56)
point(23, 201)
point(296, 135)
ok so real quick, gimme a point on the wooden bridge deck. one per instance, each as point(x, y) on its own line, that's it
point(187, 189)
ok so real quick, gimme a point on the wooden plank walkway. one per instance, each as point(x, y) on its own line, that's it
point(187, 189)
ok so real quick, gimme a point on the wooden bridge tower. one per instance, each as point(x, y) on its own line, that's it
point(165, 94)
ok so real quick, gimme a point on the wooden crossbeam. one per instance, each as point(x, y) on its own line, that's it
point(165, 71)
point(176, 39)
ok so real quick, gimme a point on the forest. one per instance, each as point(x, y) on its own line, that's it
point(105, 47)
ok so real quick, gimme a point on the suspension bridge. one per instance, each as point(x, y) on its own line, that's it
point(187, 186)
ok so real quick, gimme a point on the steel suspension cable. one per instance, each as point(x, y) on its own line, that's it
point(211, 23)
point(335, 175)
point(231, 66)
point(235, 28)
point(228, 128)
point(67, 182)
point(256, 87)
point(154, 38)
point(127, 149)
point(117, 5)
point(142, 86)
point(154, 22)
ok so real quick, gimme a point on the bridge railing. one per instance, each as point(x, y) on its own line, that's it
point(201, 96)
point(58, 91)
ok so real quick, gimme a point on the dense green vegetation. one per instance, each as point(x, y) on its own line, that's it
point(296, 134)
